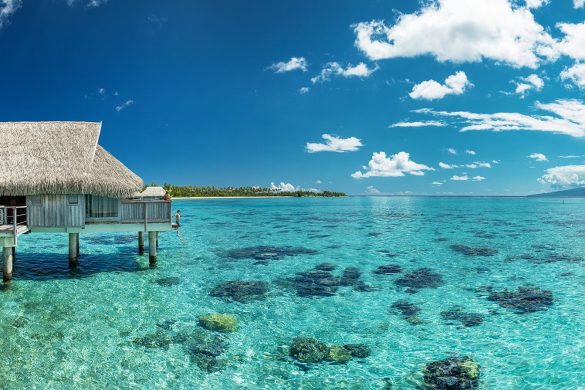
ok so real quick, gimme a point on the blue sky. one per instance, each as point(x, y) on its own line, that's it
point(408, 95)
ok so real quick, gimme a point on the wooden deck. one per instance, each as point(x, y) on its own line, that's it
point(8, 230)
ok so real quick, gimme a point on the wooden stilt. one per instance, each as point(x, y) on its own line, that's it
point(7, 263)
point(140, 243)
point(152, 247)
point(156, 240)
point(73, 250)
point(77, 244)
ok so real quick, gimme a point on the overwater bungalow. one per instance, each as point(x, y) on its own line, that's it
point(56, 178)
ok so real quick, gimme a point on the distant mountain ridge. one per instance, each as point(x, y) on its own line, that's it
point(572, 193)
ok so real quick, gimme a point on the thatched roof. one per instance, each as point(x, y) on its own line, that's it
point(39, 158)
point(151, 192)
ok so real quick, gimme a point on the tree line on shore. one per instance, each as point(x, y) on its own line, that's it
point(211, 191)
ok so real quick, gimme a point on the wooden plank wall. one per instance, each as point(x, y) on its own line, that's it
point(133, 212)
point(55, 211)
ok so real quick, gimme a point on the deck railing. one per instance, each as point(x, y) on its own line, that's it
point(145, 211)
point(15, 218)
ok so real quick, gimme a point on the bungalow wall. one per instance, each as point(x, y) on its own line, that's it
point(55, 211)
point(79, 211)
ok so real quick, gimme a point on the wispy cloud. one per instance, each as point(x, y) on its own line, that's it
point(459, 178)
point(335, 144)
point(568, 118)
point(397, 165)
point(473, 165)
point(455, 84)
point(418, 124)
point(7, 9)
point(470, 152)
point(303, 90)
point(330, 69)
point(452, 151)
point(124, 105)
point(88, 3)
point(295, 63)
point(157, 20)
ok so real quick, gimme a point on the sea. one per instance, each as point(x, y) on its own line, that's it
point(411, 280)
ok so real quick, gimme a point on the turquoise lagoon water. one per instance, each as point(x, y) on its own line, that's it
point(85, 328)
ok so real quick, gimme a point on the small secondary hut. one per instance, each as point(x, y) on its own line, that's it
point(56, 178)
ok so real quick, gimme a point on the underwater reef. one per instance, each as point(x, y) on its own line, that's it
point(408, 310)
point(471, 251)
point(465, 318)
point(243, 291)
point(451, 374)
point(264, 253)
point(310, 350)
point(388, 269)
point(421, 278)
point(524, 300)
point(218, 322)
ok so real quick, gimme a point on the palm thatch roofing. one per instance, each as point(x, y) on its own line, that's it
point(38, 158)
point(153, 192)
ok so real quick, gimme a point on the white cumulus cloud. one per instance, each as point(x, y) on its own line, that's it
point(295, 63)
point(579, 3)
point(525, 84)
point(431, 89)
point(335, 144)
point(397, 165)
point(568, 117)
point(460, 31)
point(564, 176)
point(303, 90)
point(478, 178)
point(452, 151)
point(538, 157)
point(575, 74)
point(283, 187)
point(574, 40)
point(470, 152)
point(536, 3)
point(459, 178)
point(372, 190)
point(335, 69)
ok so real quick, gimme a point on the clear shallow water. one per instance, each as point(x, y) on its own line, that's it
point(63, 329)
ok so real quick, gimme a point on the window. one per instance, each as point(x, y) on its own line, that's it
point(73, 200)
point(101, 207)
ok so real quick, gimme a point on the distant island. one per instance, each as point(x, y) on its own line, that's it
point(572, 193)
point(224, 192)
